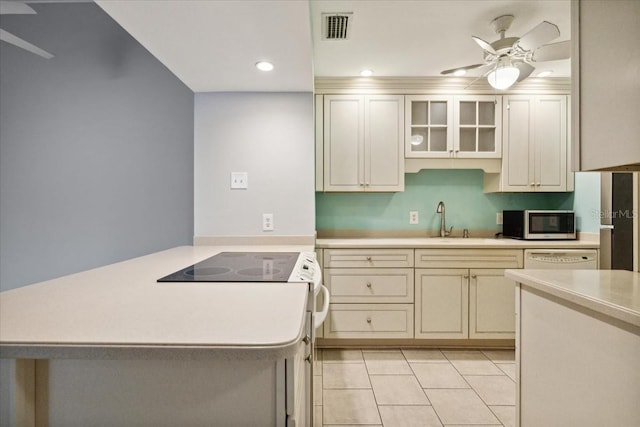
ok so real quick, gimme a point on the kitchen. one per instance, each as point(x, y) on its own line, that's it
point(153, 202)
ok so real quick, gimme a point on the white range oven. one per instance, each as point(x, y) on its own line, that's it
point(270, 267)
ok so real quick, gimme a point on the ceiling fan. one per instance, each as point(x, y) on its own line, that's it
point(510, 59)
point(19, 8)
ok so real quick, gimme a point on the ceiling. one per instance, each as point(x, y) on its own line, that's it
point(212, 45)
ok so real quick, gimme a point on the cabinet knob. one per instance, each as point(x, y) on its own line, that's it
point(466, 276)
point(532, 184)
point(308, 359)
point(473, 276)
point(368, 319)
point(368, 284)
point(537, 184)
point(366, 184)
point(306, 339)
point(368, 258)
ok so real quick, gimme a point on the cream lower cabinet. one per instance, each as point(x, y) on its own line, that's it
point(372, 293)
point(467, 301)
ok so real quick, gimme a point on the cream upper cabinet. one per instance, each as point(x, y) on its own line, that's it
point(429, 122)
point(363, 142)
point(535, 156)
point(478, 124)
point(605, 71)
point(441, 126)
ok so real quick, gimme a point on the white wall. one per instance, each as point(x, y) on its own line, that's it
point(268, 135)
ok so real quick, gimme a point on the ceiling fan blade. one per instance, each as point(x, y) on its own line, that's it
point(553, 52)
point(543, 33)
point(483, 44)
point(23, 44)
point(15, 8)
point(468, 67)
point(525, 70)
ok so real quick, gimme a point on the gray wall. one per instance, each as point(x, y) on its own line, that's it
point(96, 151)
point(96, 147)
point(271, 137)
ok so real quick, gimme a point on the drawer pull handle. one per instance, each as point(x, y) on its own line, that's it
point(474, 276)
point(369, 285)
point(368, 319)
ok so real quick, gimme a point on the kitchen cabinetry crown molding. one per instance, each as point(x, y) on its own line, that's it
point(435, 85)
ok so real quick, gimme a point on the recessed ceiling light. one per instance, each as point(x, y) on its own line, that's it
point(366, 73)
point(264, 66)
point(544, 73)
point(459, 73)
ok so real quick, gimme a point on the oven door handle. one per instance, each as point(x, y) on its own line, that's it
point(322, 315)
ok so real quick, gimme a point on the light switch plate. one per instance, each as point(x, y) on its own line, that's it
point(239, 180)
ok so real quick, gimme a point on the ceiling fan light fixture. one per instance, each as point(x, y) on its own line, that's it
point(366, 73)
point(504, 75)
point(264, 66)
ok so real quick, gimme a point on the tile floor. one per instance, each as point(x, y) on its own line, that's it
point(414, 387)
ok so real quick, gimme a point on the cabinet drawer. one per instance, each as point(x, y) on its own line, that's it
point(469, 258)
point(391, 285)
point(364, 258)
point(369, 321)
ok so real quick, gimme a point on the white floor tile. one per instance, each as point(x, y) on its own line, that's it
point(506, 415)
point(409, 416)
point(331, 355)
point(345, 375)
point(508, 368)
point(460, 407)
point(397, 390)
point(350, 407)
point(472, 363)
point(386, 362)
point(493, 389)
point(438, 375)
point(424, 355)
point(500, 355)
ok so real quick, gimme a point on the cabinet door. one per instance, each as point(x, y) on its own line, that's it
point(442, 303)
point(429, 121)
point(491, 304)
point(343, 143)
point(478, 126)
point(518, 158)
point(550, 140)
point(383, 136)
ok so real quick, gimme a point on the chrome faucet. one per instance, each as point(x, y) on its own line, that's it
point(443, 228)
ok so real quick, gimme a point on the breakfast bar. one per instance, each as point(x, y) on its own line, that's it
point(112, 346)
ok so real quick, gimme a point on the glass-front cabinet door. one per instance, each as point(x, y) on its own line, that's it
point(478, 124)
point(429, 120)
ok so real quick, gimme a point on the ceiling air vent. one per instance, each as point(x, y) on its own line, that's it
point(336, 26)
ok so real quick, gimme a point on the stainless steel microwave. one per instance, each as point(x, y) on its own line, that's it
point(539, 224)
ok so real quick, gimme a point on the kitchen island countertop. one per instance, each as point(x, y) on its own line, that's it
point(120, 311)
point(613, 293)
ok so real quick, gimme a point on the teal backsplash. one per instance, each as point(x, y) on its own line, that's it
point(461, 191)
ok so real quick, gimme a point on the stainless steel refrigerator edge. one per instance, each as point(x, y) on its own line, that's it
point(616, 221)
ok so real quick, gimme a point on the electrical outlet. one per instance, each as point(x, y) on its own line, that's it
point(239, 180)
point(267, 222)
point(499, 218)
point(413, 217)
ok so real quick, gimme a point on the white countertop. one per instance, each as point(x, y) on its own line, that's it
point(121, 311)
point(451, 243)
point(614, 293)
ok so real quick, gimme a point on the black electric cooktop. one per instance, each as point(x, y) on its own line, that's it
point(238, 267)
